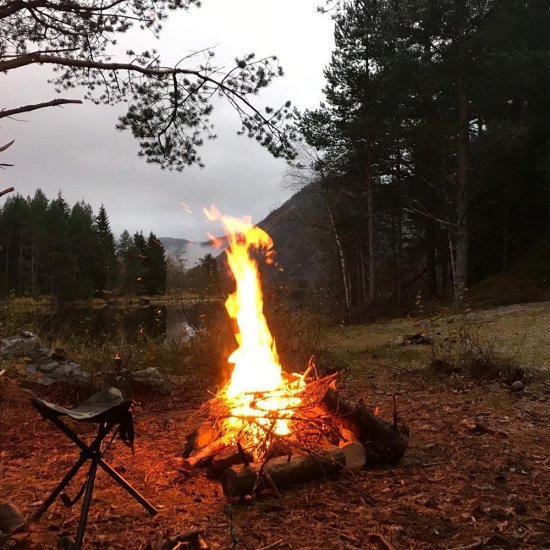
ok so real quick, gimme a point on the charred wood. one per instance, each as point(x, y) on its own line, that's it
point(384, 441)
point(283, 472)
point(230, 456)
point(199, 438)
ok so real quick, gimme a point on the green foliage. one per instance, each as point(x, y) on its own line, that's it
point(169, 107)
point(442, 107)
point(46, 247)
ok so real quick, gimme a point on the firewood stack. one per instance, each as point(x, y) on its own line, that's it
point(326, 438)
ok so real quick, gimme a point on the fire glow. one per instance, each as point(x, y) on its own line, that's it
point(261, 398)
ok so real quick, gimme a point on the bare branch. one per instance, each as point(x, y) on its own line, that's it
point(26, 108)
point(7, 146)
point(6, 191)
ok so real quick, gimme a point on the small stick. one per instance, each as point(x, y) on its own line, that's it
point(271, 483)
point(232, 531)
point(6, 191)
point(242, 454)
point(272, 545)
point(395, 408)
point(381, 539)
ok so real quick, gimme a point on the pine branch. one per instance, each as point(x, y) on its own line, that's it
point(26, 108)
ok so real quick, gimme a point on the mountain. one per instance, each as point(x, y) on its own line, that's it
point(296, 229)
point(190, 251)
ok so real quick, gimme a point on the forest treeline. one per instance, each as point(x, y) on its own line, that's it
point(431, 151)
point(49, 248)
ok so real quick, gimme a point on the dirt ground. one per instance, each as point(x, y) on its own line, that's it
point(458, 486)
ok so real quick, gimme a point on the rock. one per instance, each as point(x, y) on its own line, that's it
point(149, 379)
point(517, 386)
point(23, 344)
point(49, 370)
point(417, 339)
point(11, 520)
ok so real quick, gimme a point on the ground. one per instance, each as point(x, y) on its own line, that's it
point(476, 473)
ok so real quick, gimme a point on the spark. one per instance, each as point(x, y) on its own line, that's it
point(186, 208)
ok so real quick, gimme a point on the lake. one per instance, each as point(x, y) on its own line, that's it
point(171, 323)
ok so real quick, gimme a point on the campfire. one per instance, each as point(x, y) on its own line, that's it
point(267, 428)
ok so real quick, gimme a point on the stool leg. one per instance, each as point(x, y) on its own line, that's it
point(55, 493)
point(125, 485)
point(86, 505)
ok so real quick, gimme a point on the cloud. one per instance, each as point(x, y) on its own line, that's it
point(76, 149)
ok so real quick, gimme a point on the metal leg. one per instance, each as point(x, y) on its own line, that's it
point(125, 485)
point(56, 492)
point(86, 505)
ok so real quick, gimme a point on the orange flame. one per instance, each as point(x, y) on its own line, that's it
point(258, 394)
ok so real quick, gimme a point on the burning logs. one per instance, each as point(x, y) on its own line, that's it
point(206, 452)
point(385, 442)
point(281, 472)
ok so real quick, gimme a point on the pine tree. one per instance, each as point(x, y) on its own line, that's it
point(155, 277)
point(105, 265)
point(83, 239)
point(62, 263)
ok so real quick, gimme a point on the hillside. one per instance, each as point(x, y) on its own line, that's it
point(190, 251)
point(296, 230)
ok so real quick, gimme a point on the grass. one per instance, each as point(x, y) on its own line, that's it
point(490, 344)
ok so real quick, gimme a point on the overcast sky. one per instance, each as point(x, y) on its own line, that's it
point(76, 149)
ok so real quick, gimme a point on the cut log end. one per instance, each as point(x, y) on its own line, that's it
point(383, 441)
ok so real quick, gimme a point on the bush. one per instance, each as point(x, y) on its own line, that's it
point(466, 351)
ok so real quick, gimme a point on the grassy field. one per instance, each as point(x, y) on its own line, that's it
point(520, 331)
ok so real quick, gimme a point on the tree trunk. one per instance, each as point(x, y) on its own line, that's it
point(20, 270)
point(6, 273)
point(431, 258)
point(462, 191)
point(399, 233)
point(505, 221)
point(370, 226)
point(341, 254)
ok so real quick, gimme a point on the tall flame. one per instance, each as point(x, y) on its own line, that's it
point(258, 394)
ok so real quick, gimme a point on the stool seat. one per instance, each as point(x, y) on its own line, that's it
point(112, 413)
point(107, 405)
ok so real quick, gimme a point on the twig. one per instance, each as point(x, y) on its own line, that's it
point(395, 407)
point(272, 545)
point(6, 191)
point(381, 539)
point(242, 454)
point(232, 531)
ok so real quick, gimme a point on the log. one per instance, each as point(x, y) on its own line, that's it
point(356, 455)
point(241, 480)
point(383, 441)
point(230, 456)
point(206, 452)
point(199, 438)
